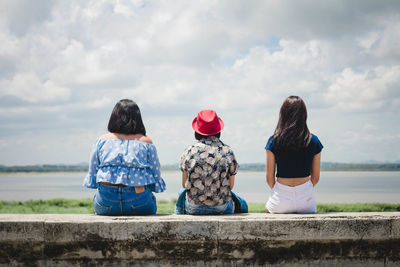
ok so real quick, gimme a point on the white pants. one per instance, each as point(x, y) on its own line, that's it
point(292, 199)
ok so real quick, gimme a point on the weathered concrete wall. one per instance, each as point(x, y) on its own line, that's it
point(246, 239)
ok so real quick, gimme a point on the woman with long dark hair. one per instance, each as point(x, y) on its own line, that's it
point(295, 154)
point(124, 166)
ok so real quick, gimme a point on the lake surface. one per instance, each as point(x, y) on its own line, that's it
point(338, 187)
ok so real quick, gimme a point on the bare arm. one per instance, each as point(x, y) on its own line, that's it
point(270, 169)
point(184, 179)
point(231, 181)
point(315, 169)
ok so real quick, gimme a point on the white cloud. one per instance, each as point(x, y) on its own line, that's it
point(126, 8)
point(79, 66)
point(3, 143)
point(369, 90)
point(23, 15)
point(388, 46)
point(30, 88)
point(74, 60)
point(367, 41)
point(100, 103)
point(10, 45)
point(369, 127)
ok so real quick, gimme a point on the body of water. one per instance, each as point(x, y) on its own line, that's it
point(338, 187)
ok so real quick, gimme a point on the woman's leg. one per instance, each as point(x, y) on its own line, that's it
point(240, 204)
point(230, 209)
point(180, 202)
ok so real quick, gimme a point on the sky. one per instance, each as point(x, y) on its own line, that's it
point(64, 65)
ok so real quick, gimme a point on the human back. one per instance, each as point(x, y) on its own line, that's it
point(294, 168)
point(209, 164)
point(208, 171)
point(294, 153)
point(121, 148)
point(124, 165)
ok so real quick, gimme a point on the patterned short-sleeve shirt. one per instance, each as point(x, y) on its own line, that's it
point(209, 164)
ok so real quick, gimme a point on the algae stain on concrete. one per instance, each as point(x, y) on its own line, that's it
point(245, 254)
point(144, 254)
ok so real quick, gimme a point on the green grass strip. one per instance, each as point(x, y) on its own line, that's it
point(357, 207)
point(85, 206)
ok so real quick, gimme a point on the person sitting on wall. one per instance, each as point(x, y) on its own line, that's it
point(124, 166)
point(208, 171)
point(296, 153)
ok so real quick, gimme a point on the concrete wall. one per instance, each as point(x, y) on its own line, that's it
point(177, 240)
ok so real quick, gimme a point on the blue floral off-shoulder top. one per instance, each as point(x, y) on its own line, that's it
point(124, 161)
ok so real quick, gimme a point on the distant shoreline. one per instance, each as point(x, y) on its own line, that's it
point(255, 167)
point(43, 173)
point(162, 171)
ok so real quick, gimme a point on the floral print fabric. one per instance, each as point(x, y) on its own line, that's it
point(209, 164)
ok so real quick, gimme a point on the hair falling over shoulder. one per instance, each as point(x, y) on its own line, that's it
point(291, 134)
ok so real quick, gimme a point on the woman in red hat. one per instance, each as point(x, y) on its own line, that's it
point(208, 171)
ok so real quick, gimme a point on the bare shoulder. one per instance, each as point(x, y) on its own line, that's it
point(146, 139)
point(107, 136)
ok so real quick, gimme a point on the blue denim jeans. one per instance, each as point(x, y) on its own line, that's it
point(114, 200)
point(236, 205)
point(192, 209)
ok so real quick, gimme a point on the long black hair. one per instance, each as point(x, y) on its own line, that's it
point(200, 136)
point(126, 118)
point(291, 134)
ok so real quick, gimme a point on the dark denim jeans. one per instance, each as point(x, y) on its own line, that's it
point(114, 200)
point(192, 209)
point(236, 205)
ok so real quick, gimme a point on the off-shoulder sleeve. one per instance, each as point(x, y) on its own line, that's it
point(159, 185)
point(94, 163)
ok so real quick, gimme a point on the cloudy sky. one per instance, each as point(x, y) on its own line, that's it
point(64, 65)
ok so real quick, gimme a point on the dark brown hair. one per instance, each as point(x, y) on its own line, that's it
point(292, 134)
point(126, 118)
point(200, 136)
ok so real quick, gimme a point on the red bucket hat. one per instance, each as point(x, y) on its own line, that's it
point(207, 123)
